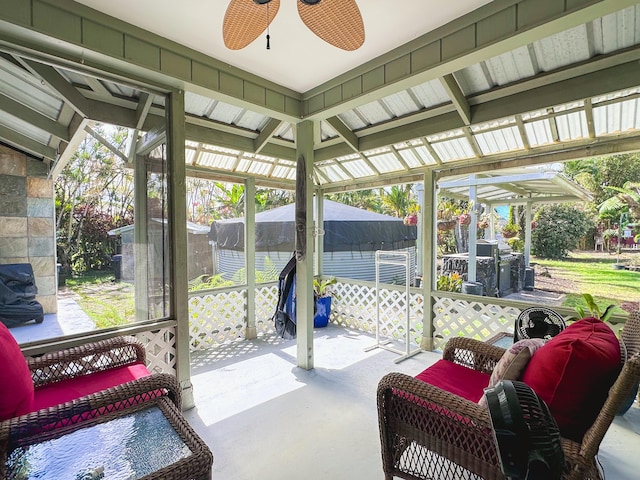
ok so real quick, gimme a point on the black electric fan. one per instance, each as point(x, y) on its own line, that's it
point(526, 434)
point(538, 322)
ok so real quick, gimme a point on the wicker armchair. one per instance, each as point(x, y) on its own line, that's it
point(77, 365)
point(91, 376)
point(429, 433)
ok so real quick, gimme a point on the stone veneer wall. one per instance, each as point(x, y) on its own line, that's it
point(27, 219)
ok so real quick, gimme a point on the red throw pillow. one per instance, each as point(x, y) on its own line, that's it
point(573, 372)
point(15, 378)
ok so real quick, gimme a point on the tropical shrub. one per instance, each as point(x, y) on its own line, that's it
point(449, 283)
point(558, 231)
point(516, 244)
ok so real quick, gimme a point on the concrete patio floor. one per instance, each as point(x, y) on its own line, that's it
point(70, 319)
point(263, 417)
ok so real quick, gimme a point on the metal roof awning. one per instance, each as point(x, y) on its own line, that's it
point(515, 186)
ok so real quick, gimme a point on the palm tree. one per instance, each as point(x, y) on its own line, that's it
point(365, 199)
point(628, 197)
point(398, 200)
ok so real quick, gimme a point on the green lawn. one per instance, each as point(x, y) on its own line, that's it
point(107, 302)
point(590, 272)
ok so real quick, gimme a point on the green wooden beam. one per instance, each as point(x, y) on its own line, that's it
point(457, 97)
point(73, 32)
point(347, 135)
point(58, 83)
point(491, 30)
point(26, 144)
point(34, 118)
point(592, 84)
point(67, 150)
point(267, 132)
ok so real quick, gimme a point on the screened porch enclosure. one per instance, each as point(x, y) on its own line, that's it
point(499, 85)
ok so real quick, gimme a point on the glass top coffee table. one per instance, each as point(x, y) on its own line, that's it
point(151, 440)
point(502, 339)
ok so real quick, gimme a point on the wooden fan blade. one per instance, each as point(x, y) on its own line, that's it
point(337, 22)
point(245, 20)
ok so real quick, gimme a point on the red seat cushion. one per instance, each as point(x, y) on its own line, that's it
point(573, 372)
point(457, 379)
point(77, 387)
point(15, 378)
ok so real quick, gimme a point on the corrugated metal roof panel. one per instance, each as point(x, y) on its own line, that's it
point(374, 113)
point(620, 30)
point(412, 158)
point(225, 113)
point(333, 172)
point(401, 104)
point(216, 160)
point(358, 168)
point(454, 149)
point(24, 128)
point(472, 80)
point(118, 89)
point(617, 117)
point(258, 167)
point(189, 155)
point(502, 140)
point(22, 87)
point(511, 66)
point(562, 49)
point(425, 155)
point(285, 131)
point(430, 94)
point(386, 163)
point(243, 164)
point(281, 171)
point(616, 95)
point(252, 121)
point(327, 131)
point(539, 133)
point(445, 135)
point(572, 126)
point(352, 120)
point(493, 125)
point(197, 104)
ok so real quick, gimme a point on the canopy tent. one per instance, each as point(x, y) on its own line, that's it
point(345, 229)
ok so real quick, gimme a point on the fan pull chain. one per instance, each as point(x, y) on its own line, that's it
point(268, 36)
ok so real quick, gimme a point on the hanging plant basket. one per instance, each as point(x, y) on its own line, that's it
point(483, 224)
point(464, 219)
point(509, 233)
point(411, 219)
point(446, 225)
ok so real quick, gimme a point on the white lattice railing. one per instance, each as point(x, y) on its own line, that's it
point(456, 315)
point(354, 306)
point(161, 349)
point(219, 316)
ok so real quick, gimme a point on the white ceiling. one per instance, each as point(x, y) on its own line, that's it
point(297, 59)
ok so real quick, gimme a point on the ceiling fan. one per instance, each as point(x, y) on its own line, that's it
point(337, 22)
